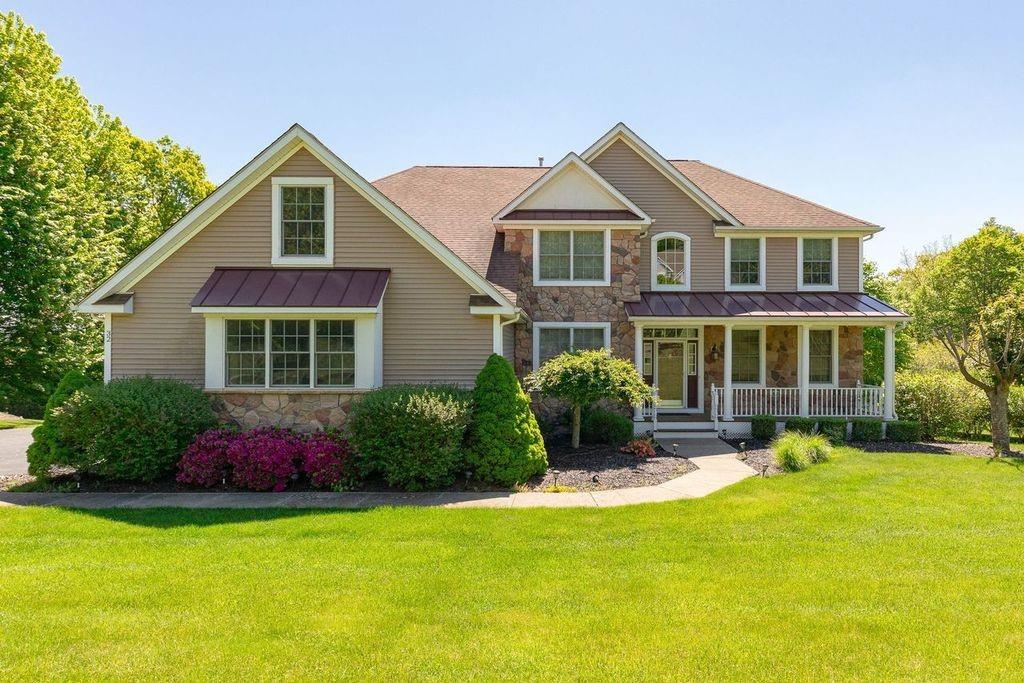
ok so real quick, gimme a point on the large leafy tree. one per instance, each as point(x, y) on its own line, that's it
point(79, 194)
point(884, 287)
point(970, 299)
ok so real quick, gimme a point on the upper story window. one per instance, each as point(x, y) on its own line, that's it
point(303, 221)
point(744, 268)
point(670, 262)
point(572, 257)
point(817, 260)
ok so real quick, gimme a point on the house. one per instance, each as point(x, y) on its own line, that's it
point(298, 284)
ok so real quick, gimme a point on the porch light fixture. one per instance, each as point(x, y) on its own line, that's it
point(715, 353)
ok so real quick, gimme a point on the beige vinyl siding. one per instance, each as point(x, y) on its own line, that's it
point(672, 211)
point(780, 266)
point(508, 343)
point(849, 264)
point(429, 335)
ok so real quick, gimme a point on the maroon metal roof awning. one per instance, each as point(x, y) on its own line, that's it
point(761, 305)
point(571, 215)
point(293, 288)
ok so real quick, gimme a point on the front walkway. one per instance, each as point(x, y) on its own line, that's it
point(717, 467)
point(13, 444)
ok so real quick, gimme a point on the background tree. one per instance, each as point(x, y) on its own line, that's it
point(79, 195)
point(884, 287)
point(970, 299)
point(582, 378)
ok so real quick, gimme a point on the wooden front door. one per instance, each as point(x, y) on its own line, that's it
point(676, 367)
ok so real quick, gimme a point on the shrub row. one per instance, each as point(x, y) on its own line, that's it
point(763, 427)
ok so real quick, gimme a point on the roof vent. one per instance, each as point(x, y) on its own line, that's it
point(540, 161)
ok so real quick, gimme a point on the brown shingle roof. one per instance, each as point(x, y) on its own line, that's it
point(457, 203)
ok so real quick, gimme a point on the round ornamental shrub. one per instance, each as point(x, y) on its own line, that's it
point(504, 445)
point(205, 461)
point(867, 430)
point(327, 461)
point(46, 449)
point(411, 435)
point(804, 425)
point(131, 429)
point(833, 429)
point(903, 430)
point(763, 427)
point(604, 426)
point(795, 451)
point(264, 459)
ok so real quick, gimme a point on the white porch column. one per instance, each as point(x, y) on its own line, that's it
point(496, 335)
point(727, 374)
point(889, 407)
point(804, 372)
point(638, 358)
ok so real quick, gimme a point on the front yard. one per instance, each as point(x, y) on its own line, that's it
point(874, 565)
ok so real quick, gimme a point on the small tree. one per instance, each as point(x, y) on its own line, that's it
point(583, 378)
point(971, 299)
point(504, 445)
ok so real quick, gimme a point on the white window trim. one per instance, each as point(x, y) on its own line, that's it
point(800, 286)
point(537, 281)
point(761, 272)
point(762, 348)
point(835, 356)
point(537, 327)
point(276, 257)
point(657, 286)
point(368, 349)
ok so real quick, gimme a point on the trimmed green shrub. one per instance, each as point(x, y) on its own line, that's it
point(833, 429)
point(903, 430)
point(804, 425)
point(46, 449)
point(604, 426)
point(132, 429)
point(504, 445)
point(795, 451)
point(411, 435)
point(866, 429)
point(944, 403)
point(763, 427)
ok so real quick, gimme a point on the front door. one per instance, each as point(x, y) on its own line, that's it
point(676, 369)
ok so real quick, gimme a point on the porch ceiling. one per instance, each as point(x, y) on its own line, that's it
point(855, 308)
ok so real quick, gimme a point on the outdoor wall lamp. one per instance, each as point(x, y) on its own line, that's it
point(715, 353)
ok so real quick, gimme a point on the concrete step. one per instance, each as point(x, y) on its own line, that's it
point(684, 426)
point(668, 435)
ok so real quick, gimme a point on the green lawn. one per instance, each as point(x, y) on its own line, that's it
point(872, 566)
point(12, 424)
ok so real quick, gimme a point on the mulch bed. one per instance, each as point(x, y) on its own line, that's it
point(594, 467)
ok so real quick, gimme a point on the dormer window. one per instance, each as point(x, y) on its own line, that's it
point(303, 221)
point(572, 257)
point(670, 262)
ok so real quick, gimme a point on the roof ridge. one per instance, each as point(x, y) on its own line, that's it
point(782, 192)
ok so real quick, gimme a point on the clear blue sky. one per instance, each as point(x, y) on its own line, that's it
point(907, 114)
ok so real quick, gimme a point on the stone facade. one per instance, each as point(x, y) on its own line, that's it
point(303, 412)
point(851, 356)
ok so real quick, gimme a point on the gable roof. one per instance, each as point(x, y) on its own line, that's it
point(757, 205)
point(247, 177)
point(569, 162)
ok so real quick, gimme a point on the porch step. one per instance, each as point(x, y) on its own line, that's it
point(684, 426)
point(669, 435)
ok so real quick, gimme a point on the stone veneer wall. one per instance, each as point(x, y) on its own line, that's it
point(303, 412)
point(851, 356)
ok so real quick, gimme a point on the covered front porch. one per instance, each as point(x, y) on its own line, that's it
point(717, 359)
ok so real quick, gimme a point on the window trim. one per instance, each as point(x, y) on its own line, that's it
point(800, 286)
point(835, 356)
point(276, 184)
point(537, 281)
point(660, 287)
point(762, 275)
point(761, 351)
point(537, 327)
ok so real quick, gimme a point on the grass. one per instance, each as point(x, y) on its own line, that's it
point(870, 566)
point(21, 422)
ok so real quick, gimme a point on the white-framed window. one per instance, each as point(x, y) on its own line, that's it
point(748, 355)
point(551, 339)
point(744, 263)
point(289, 353)
point(302, 221)
point(571, 256)
point(817, 263)
point(670, 261)
point(823, 356)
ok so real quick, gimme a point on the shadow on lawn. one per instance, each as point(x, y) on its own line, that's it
point(170, 518)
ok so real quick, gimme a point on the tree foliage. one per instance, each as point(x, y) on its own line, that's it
point(582, 378)
point(79, 195)
point(504, 444)
point(884, 287)
point(970, 299)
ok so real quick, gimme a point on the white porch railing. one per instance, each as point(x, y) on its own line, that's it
point(859, 401)
point(649, 410)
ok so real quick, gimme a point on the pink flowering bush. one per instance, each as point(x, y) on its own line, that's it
point(264, 459)
point(205, 461)
point(327, 461)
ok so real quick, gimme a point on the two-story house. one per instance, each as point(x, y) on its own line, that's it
point(298, 284)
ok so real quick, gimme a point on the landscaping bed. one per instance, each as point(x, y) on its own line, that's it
point(593, 467)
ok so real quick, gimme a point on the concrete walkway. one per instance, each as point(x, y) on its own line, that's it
point(13, 444)
point(717, 467)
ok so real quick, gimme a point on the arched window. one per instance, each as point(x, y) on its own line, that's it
point(670, 261)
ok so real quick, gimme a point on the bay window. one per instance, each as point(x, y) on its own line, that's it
point(571, 257)
point(290, 353)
